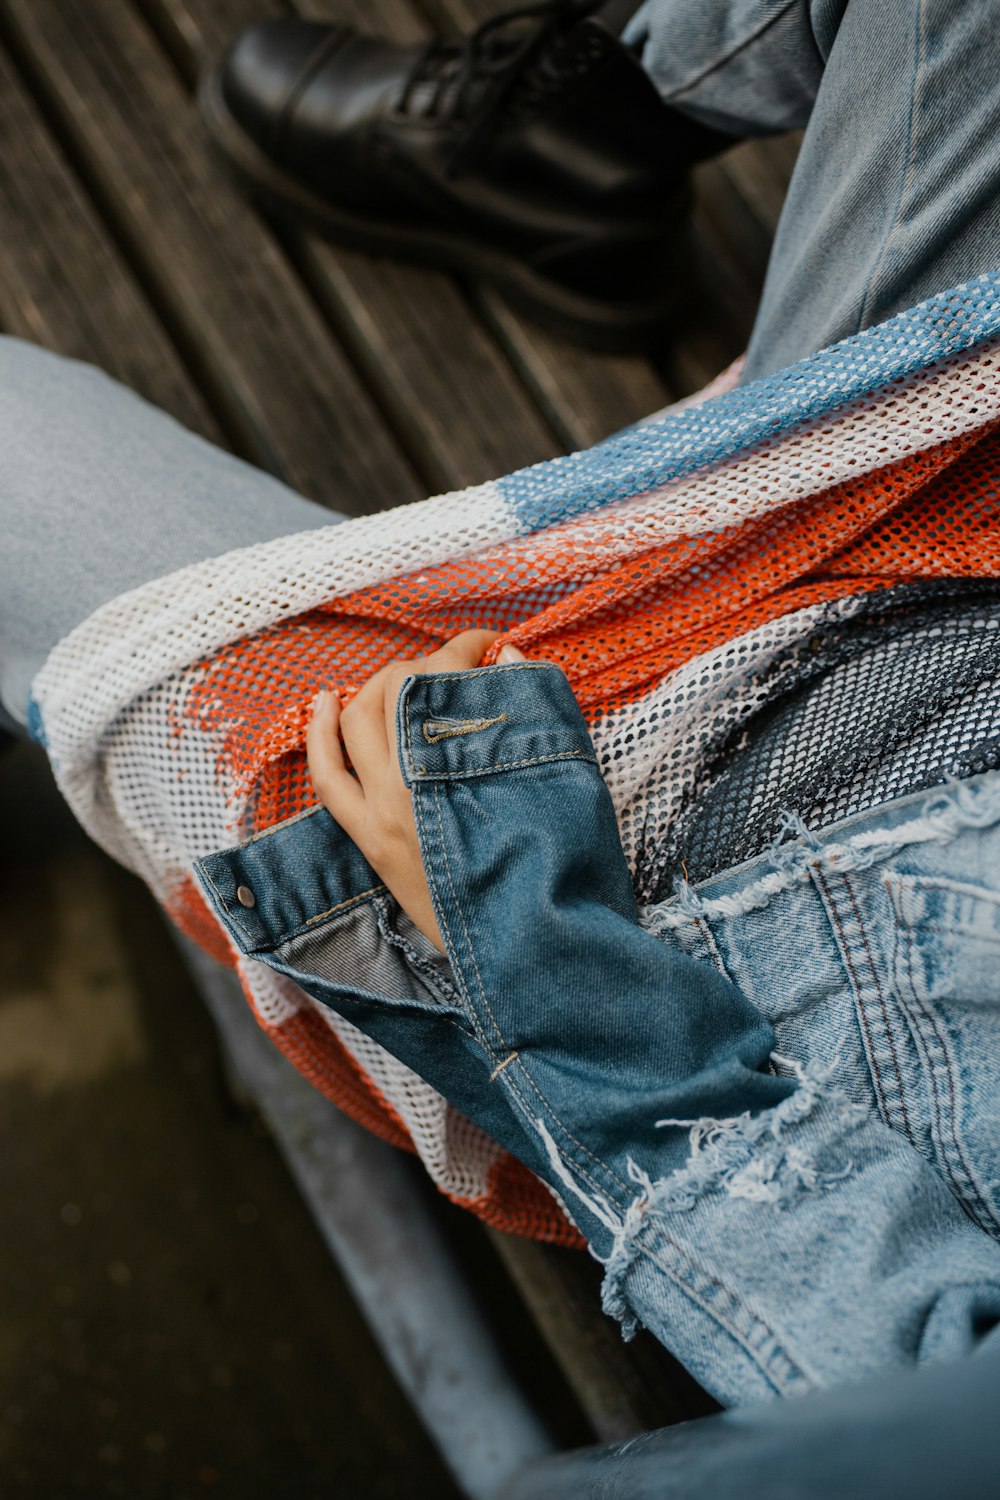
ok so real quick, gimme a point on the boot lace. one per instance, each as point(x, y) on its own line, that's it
point(509, 64)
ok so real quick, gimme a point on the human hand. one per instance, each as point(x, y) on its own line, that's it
point(373, 805)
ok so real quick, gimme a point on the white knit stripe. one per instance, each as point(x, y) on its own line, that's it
point(142, 636)
point(457, 1154)
point(156, 804)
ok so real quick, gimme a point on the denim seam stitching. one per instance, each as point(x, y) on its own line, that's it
point(882, 1005)
point(568, 1135)
point(442, 918)
point(934, 1072)
point(848, 958)
point(494, 670)
point(506, 1047)
point(908, 169)
point(734, 52)
point(265, 833)
point(714, 952)
point(420, 774)
point(438, 982)
point(494, 1054)
point(341, 906)
point(724, 1323)
point(983, 1208)
point(289, 934)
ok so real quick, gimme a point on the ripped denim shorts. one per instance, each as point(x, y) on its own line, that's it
point(873, 948)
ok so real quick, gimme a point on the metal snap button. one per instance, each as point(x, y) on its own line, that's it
point(245, 896)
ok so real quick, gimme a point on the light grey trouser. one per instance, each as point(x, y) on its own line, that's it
point(894, 197)
point(99, 492)
point(896, 191)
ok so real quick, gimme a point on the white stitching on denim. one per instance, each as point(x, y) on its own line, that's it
point(443, 920)
point(764, 1365)
point(724, 1158)
point(922, 1019)
point(465, 928)
point(438, 982)
point(490, 1048)
point(475, 673)
point(265, 833)
point(543, 1100)
point(509, 1077)
point(500, 1066)
point(420, 773)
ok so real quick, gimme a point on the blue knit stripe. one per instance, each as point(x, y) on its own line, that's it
point(36, 728)
point(641, 458)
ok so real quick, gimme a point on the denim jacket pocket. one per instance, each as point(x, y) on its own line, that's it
point(946, 971)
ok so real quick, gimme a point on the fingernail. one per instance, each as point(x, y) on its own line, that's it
point(511, 653)
point(318, 702)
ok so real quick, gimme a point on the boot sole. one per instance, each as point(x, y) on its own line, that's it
point(610, 327)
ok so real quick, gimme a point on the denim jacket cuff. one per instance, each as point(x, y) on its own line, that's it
point(452, 725)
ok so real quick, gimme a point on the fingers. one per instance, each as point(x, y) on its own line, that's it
point(363, 724)
point(462, 652)
point(367, 727)
point(338, 790)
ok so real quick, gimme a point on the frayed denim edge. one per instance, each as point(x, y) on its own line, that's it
point(941, 819)
point(745, 1157)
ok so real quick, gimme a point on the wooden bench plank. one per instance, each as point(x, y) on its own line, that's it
point(447, 388)
point(622, 1389)
point(589, 395)
point(63, 281)
point(583, 396)
point(278, 379)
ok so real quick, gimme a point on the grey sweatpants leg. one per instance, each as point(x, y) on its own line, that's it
point(896, 192)
point(100, 492)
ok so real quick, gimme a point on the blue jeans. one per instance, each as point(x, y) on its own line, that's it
point(99, 493)
point(896, 191)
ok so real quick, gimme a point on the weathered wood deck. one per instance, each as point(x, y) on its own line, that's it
point(361, 382)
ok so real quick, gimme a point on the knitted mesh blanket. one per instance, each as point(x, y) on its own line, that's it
point(666, 570)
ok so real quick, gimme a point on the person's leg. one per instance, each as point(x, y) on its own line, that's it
point(749, 67)
point(101, 492)
point(896, 192)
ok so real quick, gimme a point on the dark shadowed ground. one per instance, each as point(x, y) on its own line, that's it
point(170, 1323)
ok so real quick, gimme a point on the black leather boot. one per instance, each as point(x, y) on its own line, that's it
point(535, 153)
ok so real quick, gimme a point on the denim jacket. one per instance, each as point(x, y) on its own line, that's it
point(742, 1104)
